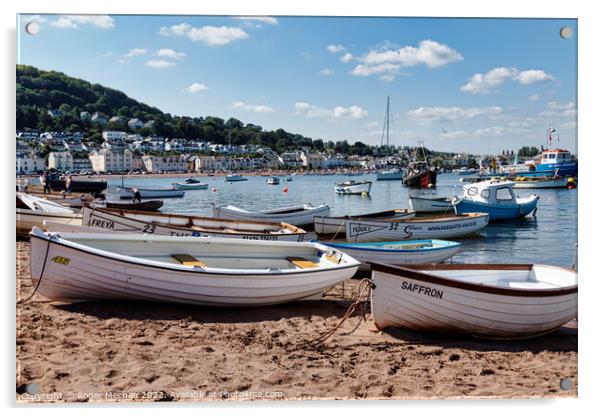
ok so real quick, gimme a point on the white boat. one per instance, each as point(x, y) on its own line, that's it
point(235, 178)
point(145, 193)
point(353, 188)
point(495, 197)
point(524, 182)
point(421, 228)
point(32, 211)
point(491, 301)
point(400, 252)
point(273, 180)
point(296, 215)
point(126, 221)
point(190, 184)
point(202, 271)
point(437, 204)
point(336, 225)
point(395, 174)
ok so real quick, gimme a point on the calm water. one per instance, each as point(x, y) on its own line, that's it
point(550, 238)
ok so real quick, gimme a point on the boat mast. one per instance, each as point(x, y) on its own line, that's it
point(386, 124)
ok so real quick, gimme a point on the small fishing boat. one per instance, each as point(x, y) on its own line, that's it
point(235, 178)
point(32, 211)
point(145, 193)
point(502, 301)
point(272, 180)
point(543, 182)
point(324, 225)
point(200, 271)
point(437, 204)
point(296, 215)
point(150, 205)
point(353, 188)
point(190, 184)
point(126, 221)
point(400, 252)
point(394, 174)
point(497, 198)
point(419, 175)
point(288, 179)
point(422, 228)
point(73, 200)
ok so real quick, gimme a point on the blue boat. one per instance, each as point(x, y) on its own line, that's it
point(400, 252)
point(496, 198)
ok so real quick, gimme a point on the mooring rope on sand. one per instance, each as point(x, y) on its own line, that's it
point(22, 301)
point(365, 285)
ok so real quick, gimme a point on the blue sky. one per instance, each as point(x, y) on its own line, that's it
point(477, 85)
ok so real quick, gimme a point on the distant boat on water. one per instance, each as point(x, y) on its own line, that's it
point(235, 178)
point(353, 188)
point(190, 184)
point(419, 174)
point(273, 180)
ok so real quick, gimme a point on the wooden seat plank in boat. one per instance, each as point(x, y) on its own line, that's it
point(188, 260)
point(302, 263)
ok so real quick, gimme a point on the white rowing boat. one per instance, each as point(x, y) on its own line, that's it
point(296, 215)
point(525, 182)
point(400, 252)
point(32, 211)
point(491, 301)
point(423, 228)
point(145, 193)
point(353, 188)
point(437, 204)
point(336, 225)
point(190, 184)
point(203, 271)
point(125, 221)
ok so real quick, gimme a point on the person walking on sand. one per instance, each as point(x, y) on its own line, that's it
point(68, 183)
point(45, 182)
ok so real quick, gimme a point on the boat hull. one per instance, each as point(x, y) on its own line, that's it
point(423, 179)
point(497, 212)
point(126, 193)
point(431, 204)
point(336, 225)
point(541, 184)
point(74, 272)
point(299, 215)
point(444, 227)
point(438, 252)
point(355, 189)
point(27, 219)
point(405, 298)
point(389, 176)
point(78, 185)
point(190, 187)
point(152, 205)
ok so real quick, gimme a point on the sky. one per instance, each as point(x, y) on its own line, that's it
point(459, 85)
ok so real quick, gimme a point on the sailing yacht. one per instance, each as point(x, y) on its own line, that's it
point(395, 173)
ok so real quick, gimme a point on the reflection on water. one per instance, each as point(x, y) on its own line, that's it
point(549, 238)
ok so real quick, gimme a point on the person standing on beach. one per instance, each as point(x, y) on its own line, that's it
point(136, 194)
point(45, 182)
point(68, 184)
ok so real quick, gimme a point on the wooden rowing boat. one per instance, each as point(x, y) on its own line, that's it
point(202, 271)
point(125, 221)
point(296, 215)
point(437, 204)
point(484, 300)
point(32, 211)
point(336, 225)
point(423, 228)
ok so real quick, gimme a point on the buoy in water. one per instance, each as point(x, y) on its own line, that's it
point(214, 189)
point(571, 183)
point(365, 194)
point(285, 189)
point(430, 185)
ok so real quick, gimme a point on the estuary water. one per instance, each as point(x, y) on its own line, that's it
point(548, 238)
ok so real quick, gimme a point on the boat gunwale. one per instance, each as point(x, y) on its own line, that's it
point(441, 218)
point(350, 246)
point(413, 272)
point(375, 215)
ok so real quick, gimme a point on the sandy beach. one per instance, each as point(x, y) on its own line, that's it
point(136, 351)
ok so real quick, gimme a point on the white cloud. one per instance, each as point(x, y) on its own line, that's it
point(338, 112)
point(367, 70)
point(371, 124)
point(557, 110)
point(430, 53)
point(454, 135)
point(451, 114)
point(195, 87)
point(135, 52)
point(534, 97)
point(327, 72)
point(485, 83)
point(335, 48)
point(256, 108)
point(170, 53)
point(209, 35)
point(347, 57)
point(75, 21)
point(159, 64)
point(263, 19)
point(34, 18)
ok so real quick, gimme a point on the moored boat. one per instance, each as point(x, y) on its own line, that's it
point(484, 300)
point(150, 205)
point(523, 182)
point(497, 198)
point(324, 225)
point(273, 180)
point(78, 184)
point(205, 271)
point(394, 174)
point(423, 228)
point(32, 211)
point(420, 176)
point(145, 193)
point(400, 252)
point(353, 188)
point(125, 221)
point(296, 215)
point(190, 184)
point(235, 178)
point(436, 204)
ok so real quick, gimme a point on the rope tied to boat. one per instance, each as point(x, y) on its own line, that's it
point(362, 297)
point(23, 301)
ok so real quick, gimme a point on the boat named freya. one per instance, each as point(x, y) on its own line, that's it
point(495, 197)
point(201, 271)
point(423, 228)
point(502, 301)
point(298, 215)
